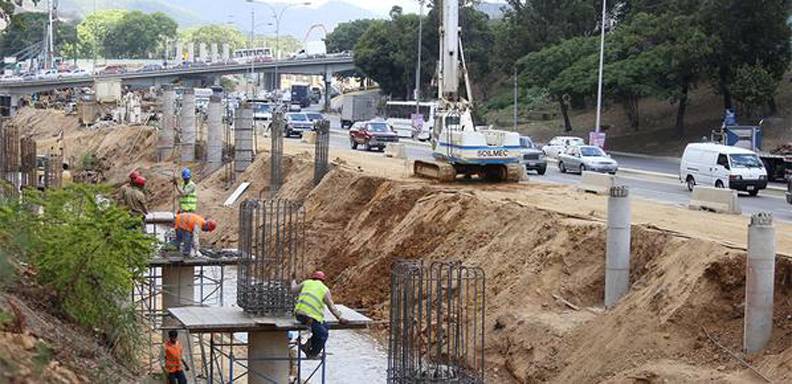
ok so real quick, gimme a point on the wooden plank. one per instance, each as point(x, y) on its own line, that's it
point(206, 319)
point(238, 192)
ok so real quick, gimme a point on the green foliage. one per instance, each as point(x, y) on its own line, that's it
point(346, 35)
point(86, 253)
point(88, 161)
point(214, 34)
point(43, 356)
point(93, 31)
point(25, 29)
point(753, 87)
point(139, 35)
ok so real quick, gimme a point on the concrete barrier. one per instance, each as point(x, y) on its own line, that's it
point(594, 182)
point(309, 137)
point(718, 200)
point(396, 151)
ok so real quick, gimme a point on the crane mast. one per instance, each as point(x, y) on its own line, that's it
point(449, 46)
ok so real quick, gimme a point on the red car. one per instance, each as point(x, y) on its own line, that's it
point(113, 70)
point(371, 135)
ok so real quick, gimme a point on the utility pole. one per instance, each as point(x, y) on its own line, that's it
point(418, 66)
point(252, 46)
point(601, 62)
point(515, 98)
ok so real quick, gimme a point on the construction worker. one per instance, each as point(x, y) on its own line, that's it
point(188, 192)
point(314, 296)
point(188, 225)
point(174, 360)
point(134, 198)
point(66, 176)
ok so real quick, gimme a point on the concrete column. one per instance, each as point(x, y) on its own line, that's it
point(759, 283)
point(166, 137)
point(328, 77)
point(617, 253)
point(226, 51)
point(179, 52)
point(187, 142)
point(214, 134)
point(213, 50)
point(190, 51)
point(268, 345)
point(178, 287)
point(243, 137)
point(203, 52)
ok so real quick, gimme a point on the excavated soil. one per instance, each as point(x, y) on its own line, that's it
point(533, 241)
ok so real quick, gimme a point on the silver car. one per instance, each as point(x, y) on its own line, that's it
point(586, 158)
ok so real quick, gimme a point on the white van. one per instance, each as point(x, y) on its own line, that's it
point(722, 166)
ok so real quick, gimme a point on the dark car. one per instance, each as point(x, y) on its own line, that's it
point(296, 124)
point(150, 67)
point(372, 134)
point(533, 158)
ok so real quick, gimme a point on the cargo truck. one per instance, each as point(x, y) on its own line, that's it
point(358, 106)
point(778, 163)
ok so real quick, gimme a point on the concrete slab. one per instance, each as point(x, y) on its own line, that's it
point(175, 258)
point(227, 319)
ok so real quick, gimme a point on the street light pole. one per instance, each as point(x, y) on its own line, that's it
point(601, 62)
point(252, 46)
point(515, 98)
point(418, 66)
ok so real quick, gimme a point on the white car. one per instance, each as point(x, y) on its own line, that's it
point(77, 73)
point(10, 78)
point(50, 74)
point(579, 158)
point(722, 166)
point(559, 144)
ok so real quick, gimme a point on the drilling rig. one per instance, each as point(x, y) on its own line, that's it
point(458, 147)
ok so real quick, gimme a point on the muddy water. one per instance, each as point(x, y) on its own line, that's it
point(353, 357)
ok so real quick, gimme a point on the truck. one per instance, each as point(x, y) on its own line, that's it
point(358, 106)
point(301, 94)
point(778, 162)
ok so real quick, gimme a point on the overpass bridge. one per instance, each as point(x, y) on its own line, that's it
point(324, 66)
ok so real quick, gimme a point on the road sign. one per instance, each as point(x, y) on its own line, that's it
point(597, 138)
point(417, 121)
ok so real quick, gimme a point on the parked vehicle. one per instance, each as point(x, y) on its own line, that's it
point(532, 158)
point(586, 158)
point(375, 134)
point(358, 106)
point(300, 93)
point(722, 166)
point(296, 124)
point(399, 115)
point(559, 144)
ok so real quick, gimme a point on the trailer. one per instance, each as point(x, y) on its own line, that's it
point(358, 106)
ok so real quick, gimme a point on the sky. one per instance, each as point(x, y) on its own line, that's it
point(383, 6)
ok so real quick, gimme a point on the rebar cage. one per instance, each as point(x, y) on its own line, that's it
point(28, 166)
point(322, 148)
point(271, 244)
point(436, 324)
point(276, 152)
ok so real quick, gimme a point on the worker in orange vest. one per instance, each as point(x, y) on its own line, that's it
point(188, 225)
point(174, 360)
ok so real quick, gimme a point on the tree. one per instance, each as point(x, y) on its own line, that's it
point(539, 69)
point(753, 87)
point(346, 35)
point(27, 29)
point(374, 56)
point(753, 33)
point(214, 34)
point(138, 35)
point(93, 31)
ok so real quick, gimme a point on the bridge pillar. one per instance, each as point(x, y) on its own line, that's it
point(328, 77)
point(179, 52)
point(188, 126)
point(190, 51)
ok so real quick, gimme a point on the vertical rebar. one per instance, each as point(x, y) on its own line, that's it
point(11, 153)
point(28, 166)
point(276, 152)
point(436, 334)
point(322, 147)
point(271, 234)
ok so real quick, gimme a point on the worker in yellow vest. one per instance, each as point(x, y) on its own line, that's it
point(174, 360)
point(314, 296)
point(188, 192)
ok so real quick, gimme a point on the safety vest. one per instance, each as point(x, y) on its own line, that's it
point(173, 357)
point(311, 300)
point(189, 202)
point(188, 221)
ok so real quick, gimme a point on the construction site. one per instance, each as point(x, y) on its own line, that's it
point(459, 282)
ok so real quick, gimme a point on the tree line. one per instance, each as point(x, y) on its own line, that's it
point(661, 49)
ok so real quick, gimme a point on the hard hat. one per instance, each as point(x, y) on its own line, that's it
point(318, 275)
point(134, 174)
point(140, 181)
point(186, 174)
point(210, 225)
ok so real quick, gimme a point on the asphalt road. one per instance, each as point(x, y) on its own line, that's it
point(666, 190)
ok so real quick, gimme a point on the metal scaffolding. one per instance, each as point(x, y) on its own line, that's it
point(271, 243)
point(276, 152)
point(53, 171)
point(322, 150)
point(436, 323)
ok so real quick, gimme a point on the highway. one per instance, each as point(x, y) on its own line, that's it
point(648, 178)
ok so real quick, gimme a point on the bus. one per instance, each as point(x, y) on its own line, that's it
point(247, 55)
point(399, 115)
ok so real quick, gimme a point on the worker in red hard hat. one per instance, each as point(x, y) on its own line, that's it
point(188, 225)
point(314, 296)
point(133, 196)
